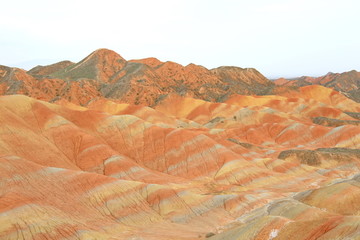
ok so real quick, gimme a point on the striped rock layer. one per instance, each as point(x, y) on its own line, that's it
point(252, 167)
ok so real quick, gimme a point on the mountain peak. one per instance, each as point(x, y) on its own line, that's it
point(99, 65)
point(104, 52)
point(151, 61)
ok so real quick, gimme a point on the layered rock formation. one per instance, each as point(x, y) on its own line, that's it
point(90, 160)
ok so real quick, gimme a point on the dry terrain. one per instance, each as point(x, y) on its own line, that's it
point(114, 149)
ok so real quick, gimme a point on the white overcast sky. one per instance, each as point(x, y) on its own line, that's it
point(278, 37)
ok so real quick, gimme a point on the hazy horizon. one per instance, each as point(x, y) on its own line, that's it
point(279, 39)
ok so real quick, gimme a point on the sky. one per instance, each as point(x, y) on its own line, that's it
point(280, 38)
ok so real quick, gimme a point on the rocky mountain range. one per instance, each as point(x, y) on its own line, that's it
point(105, 73)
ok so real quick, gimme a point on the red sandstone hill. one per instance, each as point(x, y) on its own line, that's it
point(105, 73)
point(348, 82)
point(143, 149)
point(249, 168)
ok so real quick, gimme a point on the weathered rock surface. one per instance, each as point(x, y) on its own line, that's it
point(329, 122)
point(143, 149)
point(119, 171)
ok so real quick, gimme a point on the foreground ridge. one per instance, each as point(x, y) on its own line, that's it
point(239, 170)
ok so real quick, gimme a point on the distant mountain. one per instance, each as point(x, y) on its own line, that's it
point(348, 83)
point(104, 73)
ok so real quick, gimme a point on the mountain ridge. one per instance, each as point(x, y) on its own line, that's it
point(347, 83)
point(104, 73)
point(145, 81)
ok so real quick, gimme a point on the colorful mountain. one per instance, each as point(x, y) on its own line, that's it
point(143, 149)
point(106, 74)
